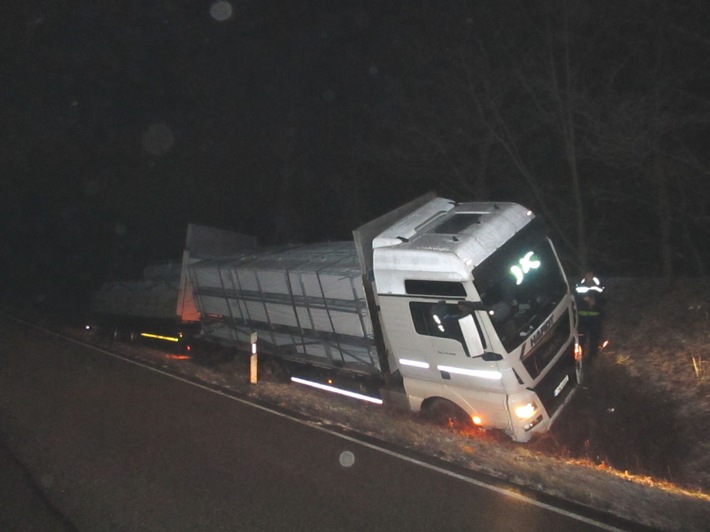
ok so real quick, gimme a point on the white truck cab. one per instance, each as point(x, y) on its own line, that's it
point(476, 312)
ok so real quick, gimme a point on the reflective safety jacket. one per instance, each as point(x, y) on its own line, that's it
point(589, 294)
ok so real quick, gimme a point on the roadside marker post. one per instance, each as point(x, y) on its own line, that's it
point(253, 360)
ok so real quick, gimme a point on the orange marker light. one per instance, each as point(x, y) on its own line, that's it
point(577, 352)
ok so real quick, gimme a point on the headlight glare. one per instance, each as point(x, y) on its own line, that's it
point(526, 411)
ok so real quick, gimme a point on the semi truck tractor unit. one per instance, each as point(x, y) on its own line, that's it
point(459, 310)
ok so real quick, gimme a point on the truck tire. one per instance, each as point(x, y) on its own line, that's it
point(444, 412)
point(272, 369)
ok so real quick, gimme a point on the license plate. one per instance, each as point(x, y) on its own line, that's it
point(561, 385)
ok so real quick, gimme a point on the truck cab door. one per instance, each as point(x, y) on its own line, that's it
point(458, 358)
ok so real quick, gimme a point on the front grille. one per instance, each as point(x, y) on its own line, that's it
point(548, 388)
point(536, 361)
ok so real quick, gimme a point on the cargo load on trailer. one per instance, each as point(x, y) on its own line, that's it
point(306, 303)
point(159, 305)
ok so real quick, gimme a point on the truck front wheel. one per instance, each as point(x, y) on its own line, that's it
point(446, 413)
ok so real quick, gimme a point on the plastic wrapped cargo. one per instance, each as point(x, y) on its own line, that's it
point(305, 303)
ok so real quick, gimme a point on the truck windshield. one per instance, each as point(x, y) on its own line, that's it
point(520, 284)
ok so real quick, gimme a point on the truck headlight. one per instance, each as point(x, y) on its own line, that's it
point(526, 411)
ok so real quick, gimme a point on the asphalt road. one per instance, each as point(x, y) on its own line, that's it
point(91, 442)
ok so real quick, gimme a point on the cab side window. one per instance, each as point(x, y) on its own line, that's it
point(443, 323)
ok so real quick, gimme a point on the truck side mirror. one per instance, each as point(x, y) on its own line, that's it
point(471, 336)
point(441, 309)
point(471, 306)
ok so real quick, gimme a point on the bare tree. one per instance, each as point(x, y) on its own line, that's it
point(591, 114)
point(648, 129)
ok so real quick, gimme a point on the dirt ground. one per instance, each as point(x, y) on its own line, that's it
point(618, 421)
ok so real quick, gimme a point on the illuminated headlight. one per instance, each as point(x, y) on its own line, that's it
point(526, 411)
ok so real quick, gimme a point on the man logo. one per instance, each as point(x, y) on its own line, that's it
point(535, 338)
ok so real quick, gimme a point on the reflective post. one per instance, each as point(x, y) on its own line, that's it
point(253, 360)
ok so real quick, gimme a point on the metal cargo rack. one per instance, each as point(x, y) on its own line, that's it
point(306, 303)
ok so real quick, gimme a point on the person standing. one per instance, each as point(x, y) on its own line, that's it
point(589, 295)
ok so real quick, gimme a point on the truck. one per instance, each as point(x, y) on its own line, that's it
point(159, 306)
point(460, 311)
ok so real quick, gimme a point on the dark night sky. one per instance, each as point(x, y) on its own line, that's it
point(131, 119)
point(293, 121)
point(149, 108)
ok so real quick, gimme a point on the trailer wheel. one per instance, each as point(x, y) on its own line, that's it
point(115, 334)
point(272, 370)
point(133, 336)
point(444, 412)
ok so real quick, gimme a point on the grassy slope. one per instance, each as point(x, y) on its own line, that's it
point(660, 334)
